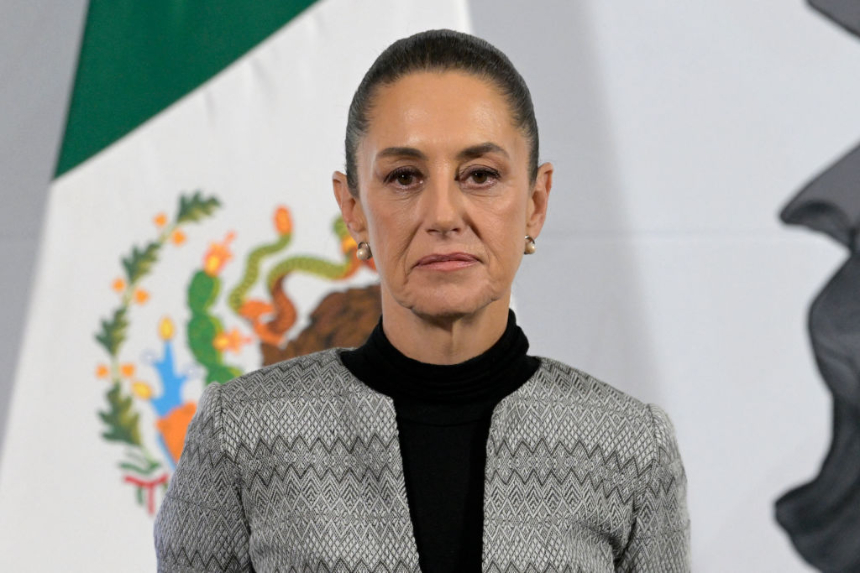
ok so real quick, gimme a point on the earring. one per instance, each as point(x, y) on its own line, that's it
point(530, 246)
point(363, 253)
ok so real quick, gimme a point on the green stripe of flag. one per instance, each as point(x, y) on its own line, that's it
point(138, 57)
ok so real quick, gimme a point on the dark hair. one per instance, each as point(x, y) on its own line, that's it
point(441, 50)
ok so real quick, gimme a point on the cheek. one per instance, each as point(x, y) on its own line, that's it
point(389, 235)
point(513, 248)
point(506, 228)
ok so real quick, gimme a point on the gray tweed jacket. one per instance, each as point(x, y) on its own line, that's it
point(296, 467)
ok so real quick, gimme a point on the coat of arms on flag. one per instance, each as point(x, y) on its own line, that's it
point(155, 382)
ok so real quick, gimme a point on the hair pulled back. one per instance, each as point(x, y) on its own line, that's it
point(441, 50)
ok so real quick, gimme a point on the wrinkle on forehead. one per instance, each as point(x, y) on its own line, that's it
point(471, 152)
point(457, 112)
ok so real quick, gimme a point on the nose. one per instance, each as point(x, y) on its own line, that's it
point(443, 206)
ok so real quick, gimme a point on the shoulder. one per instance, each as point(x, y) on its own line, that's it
point(590, 410)
point(320, 374)
point(299, 397)
point(557, 381)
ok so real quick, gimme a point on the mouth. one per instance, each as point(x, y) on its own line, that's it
point(446, 261)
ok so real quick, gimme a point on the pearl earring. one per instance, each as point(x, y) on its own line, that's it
point(530, 246)
point(363, 253)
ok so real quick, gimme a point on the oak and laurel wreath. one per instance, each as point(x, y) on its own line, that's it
point(121, 419)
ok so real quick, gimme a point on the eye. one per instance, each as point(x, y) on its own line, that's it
point(481, 176)
point(404, 177)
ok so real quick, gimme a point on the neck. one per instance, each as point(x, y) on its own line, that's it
point(443, 340)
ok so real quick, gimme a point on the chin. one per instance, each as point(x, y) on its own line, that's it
point(449, 306)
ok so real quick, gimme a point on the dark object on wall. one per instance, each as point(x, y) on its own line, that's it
point(831, 202)
point(846, 13)
point(822, 517)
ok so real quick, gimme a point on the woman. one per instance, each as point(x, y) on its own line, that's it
point(439, 444)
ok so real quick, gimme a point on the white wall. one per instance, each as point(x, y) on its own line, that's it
point(678, 131)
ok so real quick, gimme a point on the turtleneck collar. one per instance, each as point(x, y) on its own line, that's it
point(436, 392)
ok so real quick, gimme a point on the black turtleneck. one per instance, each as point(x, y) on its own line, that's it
point(443, 418)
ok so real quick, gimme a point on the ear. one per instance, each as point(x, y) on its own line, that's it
point(350, 207)
point(536, 214)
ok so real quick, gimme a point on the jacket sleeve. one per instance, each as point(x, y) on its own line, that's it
point(660, 537)
point(201, 525)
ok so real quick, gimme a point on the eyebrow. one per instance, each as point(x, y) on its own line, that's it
point(410, 152)
point(481, 149)
point(468, 153)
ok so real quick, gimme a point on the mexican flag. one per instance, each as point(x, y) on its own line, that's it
point(191, 236)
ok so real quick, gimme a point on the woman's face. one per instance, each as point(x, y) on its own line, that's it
point(444, 200)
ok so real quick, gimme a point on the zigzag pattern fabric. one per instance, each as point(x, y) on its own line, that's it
point(297, 467)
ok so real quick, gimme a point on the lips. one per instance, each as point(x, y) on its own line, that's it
point(442, 258)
